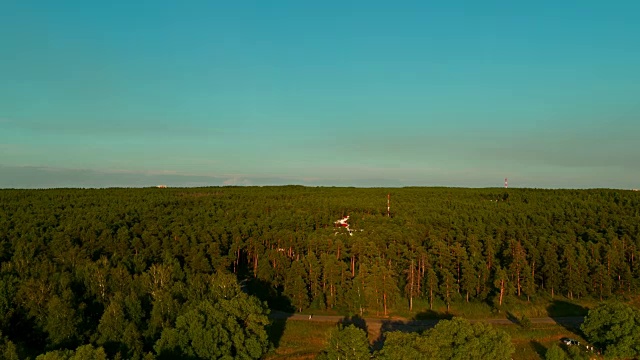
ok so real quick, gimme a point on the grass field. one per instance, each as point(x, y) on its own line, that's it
point(304, 340)
point(541, 307)
point(298, 339)
point(533, 342)
point(537, 307)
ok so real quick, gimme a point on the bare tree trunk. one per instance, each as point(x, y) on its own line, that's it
point(419, 278)
point(255, 265)
point(411, 288)
point(237, 262)
point(533, 271)
point(384, 296)
point(430, 298)
point(600, 290)
point(448, 296)
point(353, 266)
point(384, 293)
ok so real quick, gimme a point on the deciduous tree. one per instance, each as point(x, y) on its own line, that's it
point(346, 342)
point(614, 327)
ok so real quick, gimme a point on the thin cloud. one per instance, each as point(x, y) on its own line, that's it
point(10, 152)
point(54, 177)
point(236, 181)
point(113, 128)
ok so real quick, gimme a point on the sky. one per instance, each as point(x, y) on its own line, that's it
point(331, 93)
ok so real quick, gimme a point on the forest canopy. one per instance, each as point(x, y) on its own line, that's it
point(141, 272)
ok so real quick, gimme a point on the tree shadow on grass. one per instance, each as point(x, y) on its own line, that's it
point(275, 331)
point(432, 315)
point(419, 323)
point(355, 320)
point(513, 318)
point(540, 349)
point(562, 308)
point(522, 321)
point(280, 306)
point(568, 315)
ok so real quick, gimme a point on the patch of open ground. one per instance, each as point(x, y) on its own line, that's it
point(304, 339)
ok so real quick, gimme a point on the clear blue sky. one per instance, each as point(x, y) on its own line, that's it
point(364, 93)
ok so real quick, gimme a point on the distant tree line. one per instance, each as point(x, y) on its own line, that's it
point(131, 271)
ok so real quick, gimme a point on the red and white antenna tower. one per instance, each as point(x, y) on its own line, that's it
point(388, 205)
point(505, 183)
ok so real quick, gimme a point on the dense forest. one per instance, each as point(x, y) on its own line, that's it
point(134, 271)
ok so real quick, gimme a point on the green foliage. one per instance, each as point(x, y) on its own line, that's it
point(346, 342)
point(525, 322)
point(8, 290)
point(61, 321)
point(117, 331)
point(459, 339)
point(8, 349)
point(577, 353)
point(399, 346)
point(449, 339)
point(295, 286)
point(555, 352)
point(84, 352)
point(117, 267)
point(614, 327)
point(228, 324)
